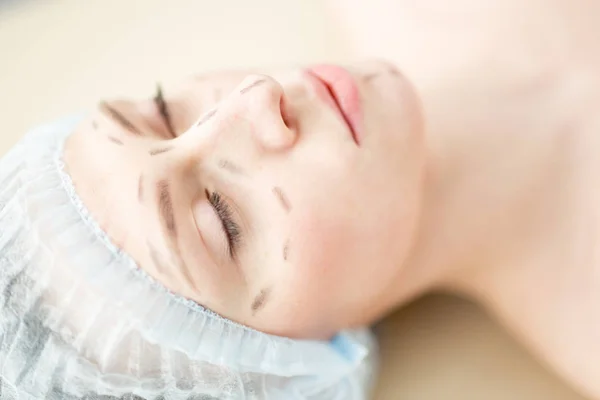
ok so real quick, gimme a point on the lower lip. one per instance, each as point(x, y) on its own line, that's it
point(343, 88)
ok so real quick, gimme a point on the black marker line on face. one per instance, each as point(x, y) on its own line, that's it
point(372, 76)
point(116, 141)
point(119, 118)
point(230, 167)
point(165, 206)
point(286, 250)
point(158, 151)
point(206, 117)
point(141, 188)
point(260, 300)
point(394, 72)
point(282, 199)
point(252, 86)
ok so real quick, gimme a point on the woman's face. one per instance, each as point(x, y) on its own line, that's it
point(286, 202)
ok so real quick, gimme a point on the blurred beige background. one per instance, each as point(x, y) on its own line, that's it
point(62, 56)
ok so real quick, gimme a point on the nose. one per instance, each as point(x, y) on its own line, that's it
point(260, 101)
point(252, 120)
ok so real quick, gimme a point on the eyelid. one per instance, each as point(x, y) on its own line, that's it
point(222, 206)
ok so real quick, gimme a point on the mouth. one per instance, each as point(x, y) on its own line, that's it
point(336, 86)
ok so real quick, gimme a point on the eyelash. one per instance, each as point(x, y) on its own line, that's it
point(231, 229)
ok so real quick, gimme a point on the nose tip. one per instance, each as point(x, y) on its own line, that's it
point(263, 99)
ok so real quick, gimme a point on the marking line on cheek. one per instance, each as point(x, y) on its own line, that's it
point(286, 250)
point(206, 117)
point(230, 167)
point(115, 140)
point(283, 200)
point(141, 188)
point(260, 300)
point(155, 152)
point(252, 86)
point(165, 205)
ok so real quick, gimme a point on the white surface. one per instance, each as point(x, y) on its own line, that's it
point(57, 57)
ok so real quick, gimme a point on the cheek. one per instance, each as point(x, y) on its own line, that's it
point(320, 255)
point(309, 287)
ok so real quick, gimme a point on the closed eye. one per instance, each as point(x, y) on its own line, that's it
point(230, 228)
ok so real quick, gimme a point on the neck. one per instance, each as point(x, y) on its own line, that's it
point(495, 179)
point(510, 215)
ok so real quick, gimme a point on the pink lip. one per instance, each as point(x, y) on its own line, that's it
point(339, 90)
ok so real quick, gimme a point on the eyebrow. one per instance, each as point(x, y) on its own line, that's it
point(252, 86)
point(165, 205)
point(230, 167)
point(260, 300)
point(283, 200)
point(119, 118)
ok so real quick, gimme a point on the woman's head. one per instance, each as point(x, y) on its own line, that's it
point(258, 196)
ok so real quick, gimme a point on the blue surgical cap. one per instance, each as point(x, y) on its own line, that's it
point(80, 320)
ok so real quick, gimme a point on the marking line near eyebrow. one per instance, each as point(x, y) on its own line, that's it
point(206, 117)
point(165, 206)
point(159, 150)
point(260, 300)
point(229, 166)
point(115, 140)
point(119, 118)
point(141, 188)
point(282, 198)
point(252, 86)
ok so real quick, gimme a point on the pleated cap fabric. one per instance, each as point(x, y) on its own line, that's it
point(80, 320)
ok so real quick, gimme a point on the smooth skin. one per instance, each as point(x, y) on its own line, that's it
point(312, 214)
point(477, 175)
point(511, 95)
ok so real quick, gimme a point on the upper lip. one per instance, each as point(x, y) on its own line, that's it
point(325, 90)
